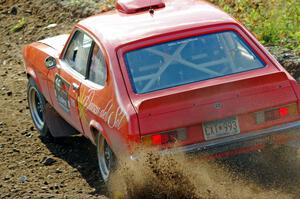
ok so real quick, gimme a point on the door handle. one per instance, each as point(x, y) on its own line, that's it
point(75, 87)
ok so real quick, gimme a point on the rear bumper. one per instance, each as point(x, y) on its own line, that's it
point(286, 134)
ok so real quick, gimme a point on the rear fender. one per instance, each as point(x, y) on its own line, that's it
point(115, 142)
point(95, 129)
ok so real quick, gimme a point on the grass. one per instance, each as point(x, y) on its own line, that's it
point(20, 25)
point(274, 22)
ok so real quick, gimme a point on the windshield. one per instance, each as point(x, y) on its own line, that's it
point(189, 60)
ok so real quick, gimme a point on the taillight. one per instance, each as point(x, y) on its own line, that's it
point(160, 139)
point(276, 113)
point(165, 138)
point(283, 111)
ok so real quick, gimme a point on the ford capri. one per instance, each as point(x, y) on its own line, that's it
point(175, 75)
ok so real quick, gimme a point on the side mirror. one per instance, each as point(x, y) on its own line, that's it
point(50, 62)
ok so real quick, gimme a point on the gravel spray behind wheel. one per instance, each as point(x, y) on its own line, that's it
point(182, 177)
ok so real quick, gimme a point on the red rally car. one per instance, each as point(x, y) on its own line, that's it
point(161, 73)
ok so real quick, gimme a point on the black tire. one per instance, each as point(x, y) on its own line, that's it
point(106, 158)
point(37, 104)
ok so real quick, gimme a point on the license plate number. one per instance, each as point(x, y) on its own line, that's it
point(221, 128)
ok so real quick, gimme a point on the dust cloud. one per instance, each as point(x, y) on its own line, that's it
point(190, 177)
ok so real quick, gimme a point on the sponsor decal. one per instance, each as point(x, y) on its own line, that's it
point(62, 93)
point(110, 113)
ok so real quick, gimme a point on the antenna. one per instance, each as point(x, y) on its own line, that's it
point(151, 10)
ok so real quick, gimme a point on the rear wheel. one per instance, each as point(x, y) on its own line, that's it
point(106, 158)
point(37, 104)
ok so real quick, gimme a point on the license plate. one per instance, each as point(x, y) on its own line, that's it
point(221, 128)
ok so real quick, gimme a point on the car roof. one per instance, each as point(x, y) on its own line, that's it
point(115, 28)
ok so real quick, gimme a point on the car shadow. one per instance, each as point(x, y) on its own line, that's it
point(79, 153)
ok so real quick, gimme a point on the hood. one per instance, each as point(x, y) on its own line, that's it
point(57, 42)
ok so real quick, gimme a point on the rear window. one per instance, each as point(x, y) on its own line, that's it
point(189, 60)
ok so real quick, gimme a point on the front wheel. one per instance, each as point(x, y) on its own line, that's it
point(106, 158)
point(37, 104)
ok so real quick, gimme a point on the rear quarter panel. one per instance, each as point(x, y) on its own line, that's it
point(116, 118)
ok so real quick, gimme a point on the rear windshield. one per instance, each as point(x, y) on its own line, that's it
point(189, 60)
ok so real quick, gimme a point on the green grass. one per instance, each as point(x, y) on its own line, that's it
point(19, 26)
point(274, 22)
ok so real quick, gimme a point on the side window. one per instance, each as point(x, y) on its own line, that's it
point(98, 70)
point(78, 52)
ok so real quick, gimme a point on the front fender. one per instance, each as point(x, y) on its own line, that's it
point(35, 55)
point(29, 67)
point(31, 74)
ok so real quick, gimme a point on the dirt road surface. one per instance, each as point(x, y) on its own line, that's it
point(31, 167)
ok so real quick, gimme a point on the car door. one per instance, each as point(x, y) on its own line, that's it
point(95, 100)
point(66, 79)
